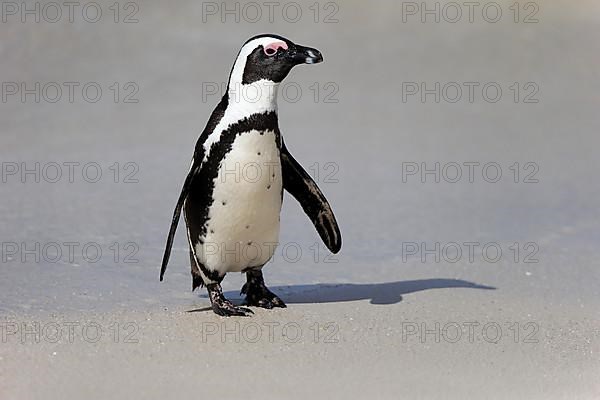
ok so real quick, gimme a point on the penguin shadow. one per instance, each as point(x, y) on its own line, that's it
point(376, 293)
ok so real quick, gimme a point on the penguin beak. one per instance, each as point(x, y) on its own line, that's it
point(306, 55)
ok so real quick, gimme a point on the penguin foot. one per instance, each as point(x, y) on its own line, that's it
point(257, 294)
point(222, 306)
point(226, 309)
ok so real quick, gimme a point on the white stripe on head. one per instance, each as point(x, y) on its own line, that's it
point(258, 96)
point(246, 99)
point(240, 62)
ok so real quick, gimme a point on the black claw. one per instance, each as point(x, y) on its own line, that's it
point(257, 294)
point(277, 302)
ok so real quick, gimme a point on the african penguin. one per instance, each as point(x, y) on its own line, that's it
point(233, 192)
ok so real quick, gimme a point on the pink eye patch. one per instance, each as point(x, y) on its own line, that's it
point(272, 48)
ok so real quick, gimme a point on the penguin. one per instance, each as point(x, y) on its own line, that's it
point(233, 192)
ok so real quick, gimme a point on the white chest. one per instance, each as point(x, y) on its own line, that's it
point(243, 224)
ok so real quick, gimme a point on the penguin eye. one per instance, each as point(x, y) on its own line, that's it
point(272, 48)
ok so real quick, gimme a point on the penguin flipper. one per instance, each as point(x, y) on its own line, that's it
point(175, 221)
point(304, 189)
point(212, 123)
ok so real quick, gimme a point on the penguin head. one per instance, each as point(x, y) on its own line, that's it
point(270, 57)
